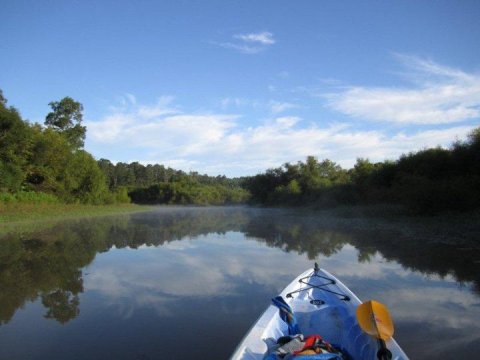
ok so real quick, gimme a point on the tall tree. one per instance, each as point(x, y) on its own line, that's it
point(84, 179)
point(108, 170)
point(66, 118)
point(50, 156)
point(15, 147)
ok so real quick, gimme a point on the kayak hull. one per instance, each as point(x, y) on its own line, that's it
point(329, 309)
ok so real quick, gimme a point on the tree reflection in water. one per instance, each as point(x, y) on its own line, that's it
point(48, 265)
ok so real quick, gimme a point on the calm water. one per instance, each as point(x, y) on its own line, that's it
point(184, 283)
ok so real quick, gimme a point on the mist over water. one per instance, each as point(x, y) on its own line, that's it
point(180, 283)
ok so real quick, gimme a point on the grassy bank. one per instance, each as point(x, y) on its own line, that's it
point(20, 217)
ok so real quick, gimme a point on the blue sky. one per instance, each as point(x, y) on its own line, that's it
point(236, 87)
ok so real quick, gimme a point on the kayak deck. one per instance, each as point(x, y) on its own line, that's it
point(322, 305)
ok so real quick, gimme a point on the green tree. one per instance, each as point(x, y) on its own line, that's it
point(66, 118)
point(362, 171)
point(288, 194)
point(123, 175)
point(84, 181)
point(317, 175)
point(15, 147)
point(48, 161)
point(108, 170)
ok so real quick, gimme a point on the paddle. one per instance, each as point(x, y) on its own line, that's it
point(374, 319)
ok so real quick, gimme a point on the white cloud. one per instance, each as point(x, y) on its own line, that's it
point(131, 98)
point(273, 106)
point(264, 38)
point(440, 95)
point(238, 102)
point(245, 49)
point(220, 144)
point(278, 107)
point(161, 108)
point(287, 121)
point(251, 43)
point(160, 127)
point(110, 128)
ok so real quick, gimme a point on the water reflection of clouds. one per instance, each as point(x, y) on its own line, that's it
point(436, 322)
point(226, 266)
point(438, 306)
point(180, 245)
point(229, 263)
point(209, 268)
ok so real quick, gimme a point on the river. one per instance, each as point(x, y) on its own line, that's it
point(184, 283)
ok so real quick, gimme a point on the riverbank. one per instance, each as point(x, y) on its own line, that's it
point(25, 217)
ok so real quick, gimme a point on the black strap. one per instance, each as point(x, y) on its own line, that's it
point(320, 287)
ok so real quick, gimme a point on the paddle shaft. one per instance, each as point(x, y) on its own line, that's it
point(383, 353)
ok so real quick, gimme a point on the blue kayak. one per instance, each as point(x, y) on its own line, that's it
point(321, 304)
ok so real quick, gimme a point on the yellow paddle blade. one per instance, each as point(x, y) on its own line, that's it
point(374, 319)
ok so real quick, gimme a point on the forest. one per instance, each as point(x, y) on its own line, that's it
point(156, 184)
point(425, 182)
point(47, 163)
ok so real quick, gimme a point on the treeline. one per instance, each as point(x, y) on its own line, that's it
point(47, 162)
point(425, 182)
point(156, 184)
point(49, 159)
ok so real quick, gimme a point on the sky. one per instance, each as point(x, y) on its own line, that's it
point(236, 87)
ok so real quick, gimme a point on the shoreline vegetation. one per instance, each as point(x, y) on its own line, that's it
point(44, 169)
point(428, 182)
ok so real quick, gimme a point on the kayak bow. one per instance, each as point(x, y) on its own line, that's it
point(323, 305)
